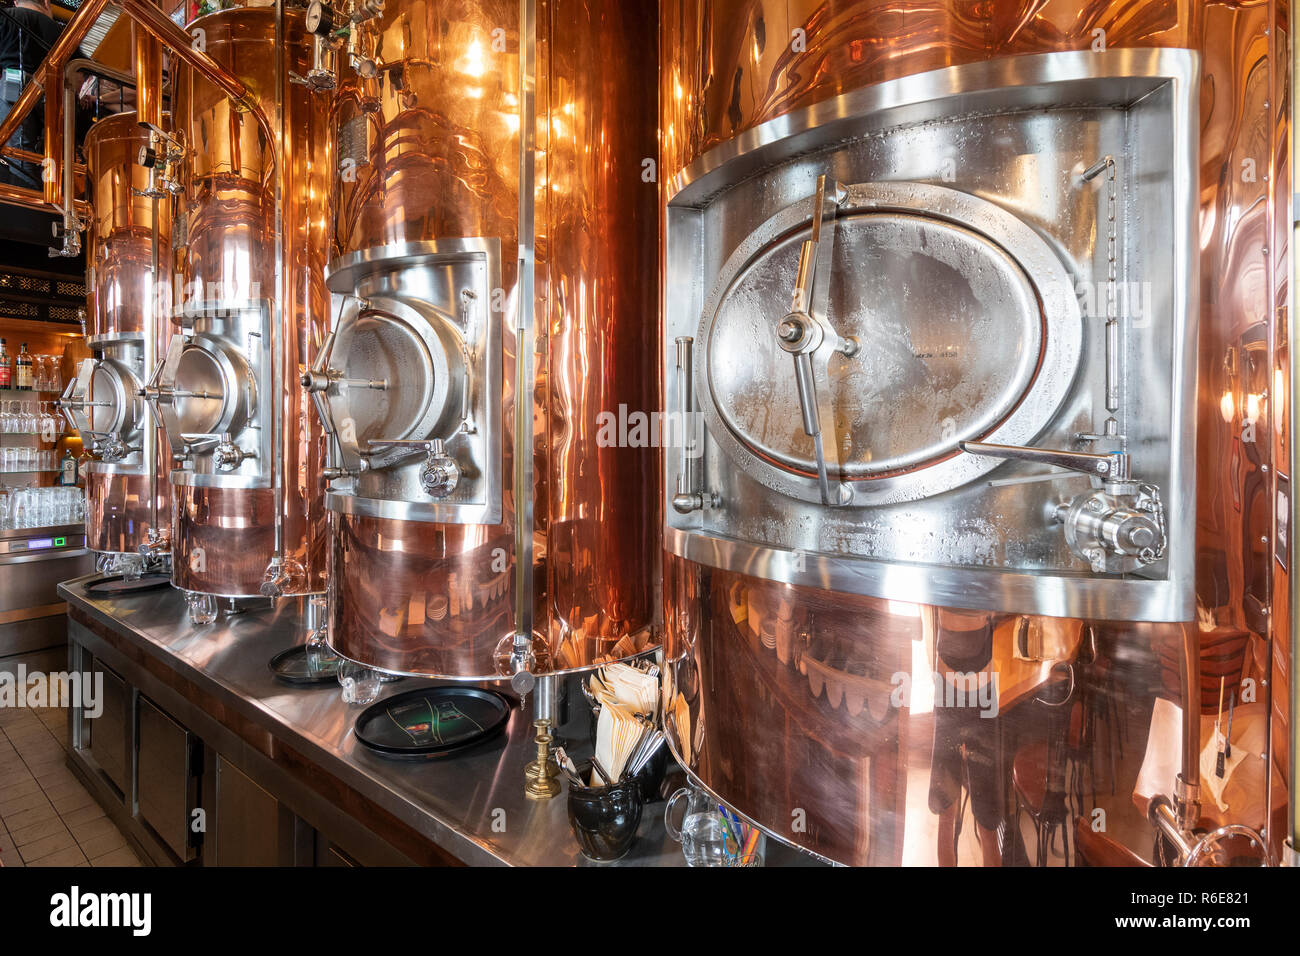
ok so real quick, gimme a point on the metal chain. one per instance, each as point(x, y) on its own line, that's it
point(1150, 502)
point(1111, 242)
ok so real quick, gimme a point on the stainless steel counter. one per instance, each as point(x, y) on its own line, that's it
point(471, 806)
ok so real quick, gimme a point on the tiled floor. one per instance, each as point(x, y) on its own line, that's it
point(47, 818)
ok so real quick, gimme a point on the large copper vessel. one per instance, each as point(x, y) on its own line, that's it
point(125, 329)
point(430, 144)
point(253, 274)
point(809, 707)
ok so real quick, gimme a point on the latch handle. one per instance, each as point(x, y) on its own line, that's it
point(1111, 467)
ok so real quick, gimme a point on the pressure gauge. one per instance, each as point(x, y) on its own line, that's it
point(320, 19)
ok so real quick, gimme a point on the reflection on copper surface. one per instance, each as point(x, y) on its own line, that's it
point(118, 512)
point(229, 255)
point(221, 539)
point(441, 161)
point(441, 605)
point(784, 734)
point(596, 300)
point(730, 65)
point(820, 716)
point(119, 239)
point(443, 127)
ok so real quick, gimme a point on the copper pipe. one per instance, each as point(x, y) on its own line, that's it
point(1293, 547)
point(144, 13)
point(1293, 692)
point(161, 27)
point(11, 195)
point(54, 102)
point(63, 48)
point(148, 77)
point(524, 373)
point(29, 156)
point(67, 175)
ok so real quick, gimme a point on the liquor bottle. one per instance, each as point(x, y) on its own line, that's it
point(6, 369)
point(23, 366)
point(68, 469)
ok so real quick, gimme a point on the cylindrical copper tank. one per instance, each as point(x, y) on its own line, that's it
point(124, 313)
point(782, 703)
point(443, 163)
point(119, 246)
point(230, 255)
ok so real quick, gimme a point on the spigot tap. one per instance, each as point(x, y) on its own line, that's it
point(157, 548)
point(282, 577)
point(522, 661)
point(439, 474)
point(68, 232)
point(157, 542)
point(1118, 526)
point(227, 456)
point(111, 449)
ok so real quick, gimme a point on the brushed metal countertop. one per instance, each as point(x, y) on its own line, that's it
point(471, 805)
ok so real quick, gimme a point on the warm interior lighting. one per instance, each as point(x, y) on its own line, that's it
point(1226, 407)
point(1252, 407)
point(471, 64)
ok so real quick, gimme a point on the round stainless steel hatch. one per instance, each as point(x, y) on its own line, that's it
point(415, 354)
point(962, 328)
point(115, 406)
point(209, 390)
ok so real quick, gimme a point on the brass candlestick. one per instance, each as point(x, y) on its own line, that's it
point(541, 773)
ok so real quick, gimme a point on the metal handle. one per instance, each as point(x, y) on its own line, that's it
point(316, 381)
point(673, 830)
point(687, 498)
point(154, 392)
point(65, 403)
point(1111, 467)
point(803, 332)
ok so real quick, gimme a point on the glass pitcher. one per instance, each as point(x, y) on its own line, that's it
point(704, 833)
point(360, 684)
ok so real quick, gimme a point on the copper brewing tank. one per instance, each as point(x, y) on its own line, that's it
point(799, 735)
point(123, 308)
point(442, 121)
point(229, 254)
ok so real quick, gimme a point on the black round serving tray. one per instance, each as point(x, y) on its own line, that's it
point(117, 584)
point(291, 667)
point(432, 722)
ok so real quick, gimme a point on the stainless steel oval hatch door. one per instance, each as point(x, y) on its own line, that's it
point(958, 330)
